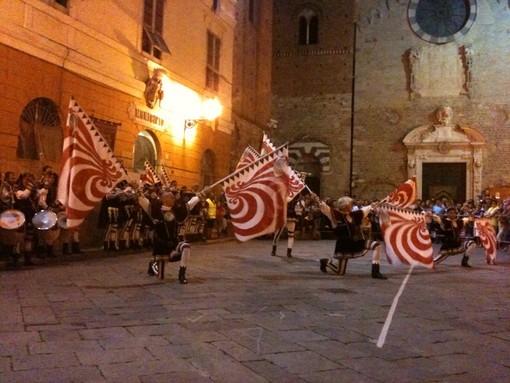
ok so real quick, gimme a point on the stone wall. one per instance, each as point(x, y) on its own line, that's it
point(388, 107)
point(400, 82)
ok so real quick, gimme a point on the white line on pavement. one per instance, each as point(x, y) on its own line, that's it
point(389, 318)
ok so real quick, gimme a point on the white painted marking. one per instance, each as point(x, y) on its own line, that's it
point(389, 318)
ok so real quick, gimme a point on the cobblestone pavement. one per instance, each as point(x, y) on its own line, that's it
point(248, 317)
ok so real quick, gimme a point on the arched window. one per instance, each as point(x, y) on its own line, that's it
point(40, 131)
point(145, 149)
point(308, 33)
point(207, 168)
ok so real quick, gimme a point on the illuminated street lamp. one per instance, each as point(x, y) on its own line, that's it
point(211, 109)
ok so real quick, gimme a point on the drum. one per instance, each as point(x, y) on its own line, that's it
point(12, 227)
point(12, 219)
point(145, 204)
point(45, 222)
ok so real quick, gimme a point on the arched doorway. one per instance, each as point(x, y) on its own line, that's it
point(446, 160)
point(145, 148)
point(311, 157)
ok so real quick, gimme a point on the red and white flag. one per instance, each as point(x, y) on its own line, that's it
point(257, 196)
point(149, 176)
point(164, 177)
point(266, 146)
point(406, 237)
point(249, 156)
point(404, 195)
point(294, 181)
point(487, 234)
point(89, 170)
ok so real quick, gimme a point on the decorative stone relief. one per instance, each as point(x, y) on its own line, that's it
point(467, 61)
point(446, 142)
point(437, 71)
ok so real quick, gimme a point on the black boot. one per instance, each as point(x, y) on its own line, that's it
point(182, 275)
point(465, 260)
point(113, 246)
point(376, 273)
point(75, 248)
point(14, 262)
point(28, 259)
point(273, 252)
point(324, 265)
point(151, 271)
point(49, 251)
point(65, 249)
point(289, 253)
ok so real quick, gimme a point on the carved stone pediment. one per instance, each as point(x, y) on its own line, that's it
point(438, 133)
point(446, 143)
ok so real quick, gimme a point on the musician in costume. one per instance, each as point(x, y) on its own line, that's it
point(25, 200)
point(169, 242)
point(351, 241)
point(7, 191)
point(109, 218)
point(127, 215)
point(294, 213)
point(452, 242)
point(47, 202)
point(11, 239)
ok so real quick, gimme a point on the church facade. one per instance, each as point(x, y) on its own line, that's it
point(362, 86)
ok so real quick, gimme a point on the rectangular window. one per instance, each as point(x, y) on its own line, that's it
point(152, 39)
point(212, 80)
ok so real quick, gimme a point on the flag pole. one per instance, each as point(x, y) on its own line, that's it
point(245, 167)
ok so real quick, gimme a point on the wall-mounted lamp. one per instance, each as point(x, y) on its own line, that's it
point(211, 109)
point(192, 122)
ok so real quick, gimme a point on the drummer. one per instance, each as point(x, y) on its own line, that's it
point(25, 195)
point(7, 191)
point(47, 200)
point(7, 199)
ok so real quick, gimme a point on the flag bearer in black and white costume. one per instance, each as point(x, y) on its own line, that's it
point(351, 242)
point(294, 212)
point(169, 241)
point(452, 242)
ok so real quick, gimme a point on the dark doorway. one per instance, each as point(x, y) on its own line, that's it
point(444, 180)
point(310, 165)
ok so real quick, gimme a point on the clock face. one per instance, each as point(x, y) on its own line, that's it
point(441, 21)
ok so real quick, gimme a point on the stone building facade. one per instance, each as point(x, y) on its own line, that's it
point(405, 68)
point(51, 50)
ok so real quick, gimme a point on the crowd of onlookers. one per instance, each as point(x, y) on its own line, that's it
point(496, 210)
point(125, 216)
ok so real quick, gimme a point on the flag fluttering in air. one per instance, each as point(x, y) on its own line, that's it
point(294, 182)
point(487, 234)
point(249, 156)
point(406, 237)
point(404, 195)
point(256, 196)
point(89, 170)
point(149, 175)
point(164, 177)
point(266, 146)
